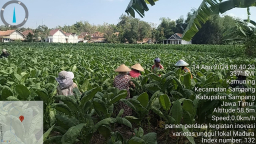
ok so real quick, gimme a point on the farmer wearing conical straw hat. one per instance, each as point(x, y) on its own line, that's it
point(136, 69)
point(4, 53)
point(123, 81)
point(182, 64)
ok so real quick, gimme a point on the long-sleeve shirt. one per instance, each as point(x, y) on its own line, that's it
point(68, 91)
point(122, 83)
point(4, 55)
point(187, 70)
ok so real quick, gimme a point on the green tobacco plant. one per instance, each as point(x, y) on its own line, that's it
point(29, 74)
point(104, 103)
point(175, 83)
point(138, 138)
point(140, 105)
point(81, 116)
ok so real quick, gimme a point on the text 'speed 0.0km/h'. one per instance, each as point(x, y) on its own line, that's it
point(14, 16)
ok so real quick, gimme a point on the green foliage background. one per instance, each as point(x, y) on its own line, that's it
point(30, 72)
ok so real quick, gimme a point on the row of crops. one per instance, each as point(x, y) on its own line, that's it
point(29, 74)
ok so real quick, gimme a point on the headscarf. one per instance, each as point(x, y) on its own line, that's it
point(65, 79)
point(4, 50)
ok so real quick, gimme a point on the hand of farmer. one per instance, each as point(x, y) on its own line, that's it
point(132, 84)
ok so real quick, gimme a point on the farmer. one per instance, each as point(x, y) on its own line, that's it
point(157, 65)
point(66, 84)
point(4, 54)
point(123, 81)
point(241, 80)
point(136, 69)
point(241, 77)
point(182, 64)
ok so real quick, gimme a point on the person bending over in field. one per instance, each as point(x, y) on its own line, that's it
point(123, 81)
point(157, 65)
point(241, 79)
point(4, 54)
point(66, 84)
point(182, 64)
point(136, 69)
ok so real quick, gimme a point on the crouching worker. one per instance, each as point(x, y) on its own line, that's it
point(4, 54)
point(157, 65)
point(182, 64)
point(66, 84)
point(123, 82)
point(240, 81)
point(136, 69)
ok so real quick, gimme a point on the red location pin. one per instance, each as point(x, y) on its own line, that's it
point(21, 118)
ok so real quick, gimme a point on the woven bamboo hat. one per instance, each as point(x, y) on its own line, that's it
point(137, 67)
point(181, 63)
point(122, 68)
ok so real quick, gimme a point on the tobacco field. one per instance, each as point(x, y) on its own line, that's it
point(29, 75)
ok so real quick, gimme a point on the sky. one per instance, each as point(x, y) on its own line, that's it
point(55, 13)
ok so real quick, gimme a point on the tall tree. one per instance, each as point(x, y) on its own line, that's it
point(144, 30)
point(180, 25)
point(109, 34)
point(132, 29)
point(29, 38)
point(168, 26)
point(43, 32)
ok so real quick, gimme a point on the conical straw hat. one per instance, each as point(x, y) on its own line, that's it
point(181, 63)
point(137, 67)
point(122, 68)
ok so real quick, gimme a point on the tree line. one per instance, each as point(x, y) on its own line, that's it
point(131, 30)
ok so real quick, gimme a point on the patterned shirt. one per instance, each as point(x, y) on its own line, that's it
point(122, 82)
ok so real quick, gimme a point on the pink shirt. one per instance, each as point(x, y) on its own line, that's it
point(134, 74)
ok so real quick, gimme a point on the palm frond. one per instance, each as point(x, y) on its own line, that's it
point(140, 6)
point(240, 32)
point(211, 7)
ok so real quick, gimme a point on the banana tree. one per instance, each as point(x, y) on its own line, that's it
point(241, 32)
point(205, 10)
point(245, 34)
